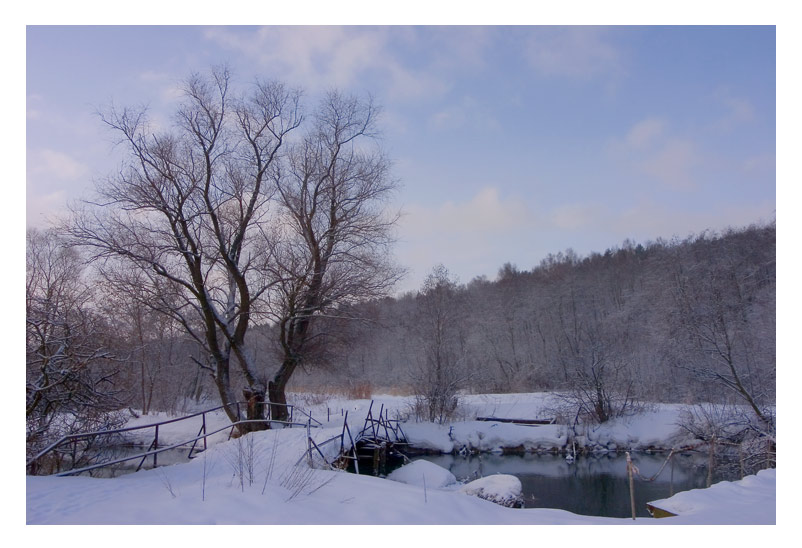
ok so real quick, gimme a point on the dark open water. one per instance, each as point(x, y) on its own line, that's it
point(592, 485)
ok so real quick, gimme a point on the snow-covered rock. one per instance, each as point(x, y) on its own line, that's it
point(423, 473)
point(502, 489)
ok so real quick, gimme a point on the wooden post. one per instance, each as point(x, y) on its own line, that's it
point(309, 439)
point(631, 484)
point(155, 445)
point(711, 460)
point(204, 433)
point(741, 458)
point(671, 485)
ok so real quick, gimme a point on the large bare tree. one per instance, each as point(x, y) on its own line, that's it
point(227, 219)
point(335, 230)
point(188, 211)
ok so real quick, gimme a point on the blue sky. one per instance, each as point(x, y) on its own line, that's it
point(509, 142)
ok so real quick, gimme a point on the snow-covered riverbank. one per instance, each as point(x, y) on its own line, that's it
point(254, 480)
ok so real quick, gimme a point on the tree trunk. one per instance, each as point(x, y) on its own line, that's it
point(255, 396)
point(276, 390)
point(223, 382)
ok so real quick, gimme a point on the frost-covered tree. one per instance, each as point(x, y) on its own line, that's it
point(724, 318)
point(336, 232)
point(441, 370)
point(225, 219)
point(186, 218)
point(70, 374)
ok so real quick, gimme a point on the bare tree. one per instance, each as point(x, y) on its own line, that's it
point(592, 344)
point(189, 212)
point(223, 221)
point(70, 375)
point(725, 313)
point(335, 231)
point(441, 373)
point(152, 345)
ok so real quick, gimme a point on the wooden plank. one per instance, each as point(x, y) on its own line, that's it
point(658, 512)
point(529, 422)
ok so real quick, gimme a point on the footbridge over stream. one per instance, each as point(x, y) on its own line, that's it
point(99, 452)
point(381, 441)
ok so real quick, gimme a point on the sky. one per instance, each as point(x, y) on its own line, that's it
point(509, 142)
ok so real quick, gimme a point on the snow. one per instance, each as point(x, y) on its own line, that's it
point(502, 489)
point(423, 473)
point(752, 500)
point(653, 428)
point(215, 488)
point(484, 436)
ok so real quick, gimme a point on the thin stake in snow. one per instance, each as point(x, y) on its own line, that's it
point(630, 467)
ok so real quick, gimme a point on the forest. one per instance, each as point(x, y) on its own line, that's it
point(688, 320)
point(245, 252)
point(685, 321)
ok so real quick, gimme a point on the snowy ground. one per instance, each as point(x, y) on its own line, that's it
point(228, 486)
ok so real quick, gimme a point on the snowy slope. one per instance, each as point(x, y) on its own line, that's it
point(226, 485)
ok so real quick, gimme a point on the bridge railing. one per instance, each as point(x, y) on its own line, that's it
point(34, 464)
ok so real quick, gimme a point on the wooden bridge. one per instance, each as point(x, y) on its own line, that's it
point(378, 442)
point(78, 453)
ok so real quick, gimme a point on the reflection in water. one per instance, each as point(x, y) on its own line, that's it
point(592, 485)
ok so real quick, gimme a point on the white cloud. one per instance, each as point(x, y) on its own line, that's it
point(737, 110)
point(458, 115)
point(410, 63)
point(54, 164)
point(324, 56)
point(470, 237)
point(32, 110)
point(485, 213)
point(171, 89)
point(644, 132)
point(41, 209)
point(50, 178)
point(673, 164)
point(651, 220)
point(572, 51)
point(759, 163)
point(574, 216)
point(650, 149)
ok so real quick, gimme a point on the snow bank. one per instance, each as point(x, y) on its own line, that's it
point(750, 501)
point(226, 485)
point(502, 489)
point(424, 474)
point(484, 436)
point(655, 428)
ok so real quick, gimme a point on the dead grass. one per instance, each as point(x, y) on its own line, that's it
point(361, 390)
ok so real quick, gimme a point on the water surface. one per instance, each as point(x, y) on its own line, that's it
point(595, 485)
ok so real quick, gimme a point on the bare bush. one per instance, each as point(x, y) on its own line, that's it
point(358, 390)
point(302, 479)
point(738, 437)
point(243, 460)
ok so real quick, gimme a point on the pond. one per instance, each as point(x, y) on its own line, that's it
point(595, 485)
